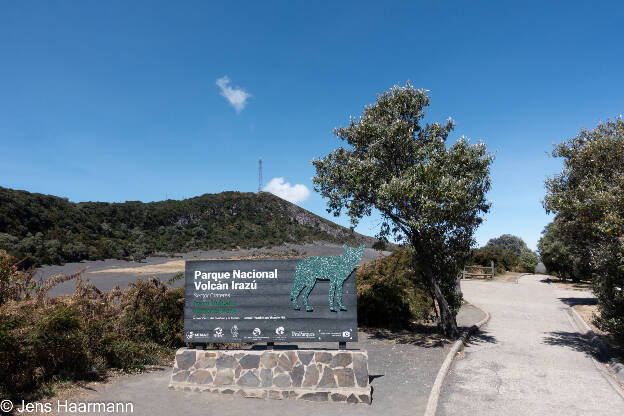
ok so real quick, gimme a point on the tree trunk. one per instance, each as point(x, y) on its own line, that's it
point(447, 320)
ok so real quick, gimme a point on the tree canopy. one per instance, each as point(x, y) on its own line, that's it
point(509, 242)
point(587, 237)
point(427, 192)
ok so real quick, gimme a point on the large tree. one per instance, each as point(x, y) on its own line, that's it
point(428, 192)
point(588, 200)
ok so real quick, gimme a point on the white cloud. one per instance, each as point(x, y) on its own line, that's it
point(237, 97)
point(293, 193)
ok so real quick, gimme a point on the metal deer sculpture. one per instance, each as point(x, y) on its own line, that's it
point(336, 269)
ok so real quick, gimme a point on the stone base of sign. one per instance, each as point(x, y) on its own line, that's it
point(313, 375)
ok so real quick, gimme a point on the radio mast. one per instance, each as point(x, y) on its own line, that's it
point(259, 175)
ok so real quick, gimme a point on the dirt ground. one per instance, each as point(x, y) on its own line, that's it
point(588, 313)
point(507, 277)
point(568, 284)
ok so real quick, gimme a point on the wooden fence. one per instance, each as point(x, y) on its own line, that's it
point(478, 271)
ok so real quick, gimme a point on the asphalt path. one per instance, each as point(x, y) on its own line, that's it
point(530, 359)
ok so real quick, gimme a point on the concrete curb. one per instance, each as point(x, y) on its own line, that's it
point(615, 368)
point(436, 389)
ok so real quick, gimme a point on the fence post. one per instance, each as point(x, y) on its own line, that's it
point(492, 269)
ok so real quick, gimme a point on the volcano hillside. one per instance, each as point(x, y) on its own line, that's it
point(45, 229)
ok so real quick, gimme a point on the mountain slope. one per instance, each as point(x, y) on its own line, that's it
point(45, 229)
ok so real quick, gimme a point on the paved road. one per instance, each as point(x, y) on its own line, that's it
point(528, 360)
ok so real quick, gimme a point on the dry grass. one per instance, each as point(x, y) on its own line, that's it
point(588, 313)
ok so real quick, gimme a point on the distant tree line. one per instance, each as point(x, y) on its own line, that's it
point(44, 229)
point(508, 252)
point(585, 241)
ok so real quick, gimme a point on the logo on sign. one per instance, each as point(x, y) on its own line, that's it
point(279, 330)
point(346, 334)
point(256, 332)
point(190, 335)
point(303, 334)
point(218, 332)
point(234, 331)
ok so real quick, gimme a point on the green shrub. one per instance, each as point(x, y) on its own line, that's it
point(608, 286)
point(388, 295)
point(504, 260)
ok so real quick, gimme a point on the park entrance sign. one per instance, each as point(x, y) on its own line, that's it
point(305, 300)
point(270, 301)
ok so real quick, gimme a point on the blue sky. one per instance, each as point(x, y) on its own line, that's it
point(116, 101)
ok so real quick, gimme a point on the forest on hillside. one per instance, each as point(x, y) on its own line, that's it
point(45, 229)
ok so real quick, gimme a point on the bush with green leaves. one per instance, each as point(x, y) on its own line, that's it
point(390, 294)
point(504, 260)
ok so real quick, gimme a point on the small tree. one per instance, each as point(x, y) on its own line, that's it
point(555, 251)
point(528, 260)
point(427, 193)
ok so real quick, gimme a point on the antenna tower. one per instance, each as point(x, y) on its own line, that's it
point(259, 175)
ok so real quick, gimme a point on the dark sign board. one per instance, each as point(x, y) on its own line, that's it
point(311, 299)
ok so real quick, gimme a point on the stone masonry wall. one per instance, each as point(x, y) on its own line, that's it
point(314, 375)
